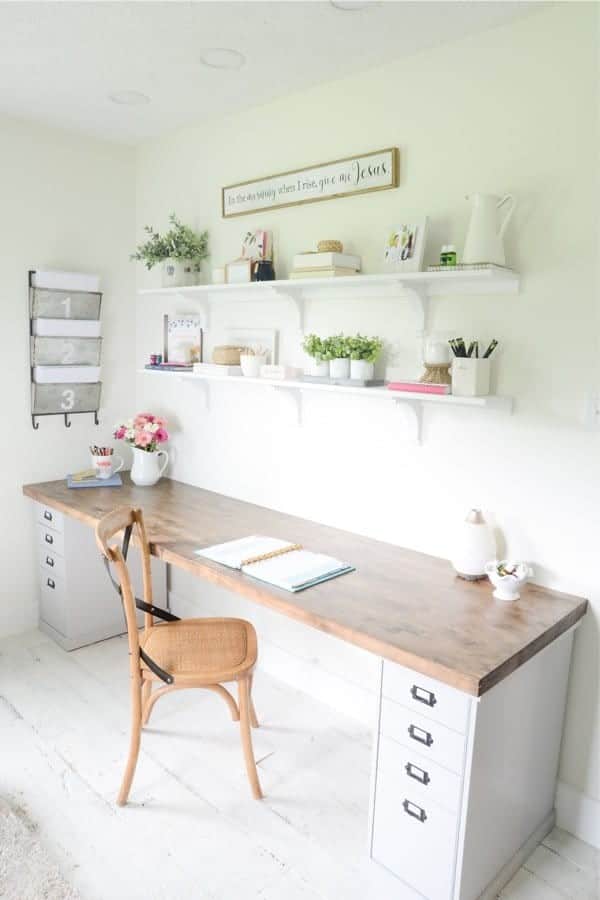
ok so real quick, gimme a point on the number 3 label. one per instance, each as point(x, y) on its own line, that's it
point(68, 401)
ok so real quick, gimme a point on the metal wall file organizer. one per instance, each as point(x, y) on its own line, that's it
point(65, 352)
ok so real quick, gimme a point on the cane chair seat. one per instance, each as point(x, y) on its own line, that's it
point(202, 651)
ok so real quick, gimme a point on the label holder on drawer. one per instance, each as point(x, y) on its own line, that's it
point(420, 775)
point(415, 811)
point(420, 735)
point(423, 696)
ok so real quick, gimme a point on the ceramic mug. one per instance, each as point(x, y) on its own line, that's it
point(104, 466)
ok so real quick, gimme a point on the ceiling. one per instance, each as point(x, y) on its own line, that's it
point(60, 61)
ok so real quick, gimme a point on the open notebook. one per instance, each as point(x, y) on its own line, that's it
point(277, 562)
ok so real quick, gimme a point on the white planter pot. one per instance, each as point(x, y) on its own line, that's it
point(251, 365)
point(147, 468)
point(339, 368)
point(361, 369)
point(180, 272)
point(318, 369)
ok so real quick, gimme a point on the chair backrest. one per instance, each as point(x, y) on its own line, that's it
point(109, 527)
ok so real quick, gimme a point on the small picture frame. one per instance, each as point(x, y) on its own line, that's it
point(238, 272)
point(182, 339)
point(405, 246)
point(257, 245)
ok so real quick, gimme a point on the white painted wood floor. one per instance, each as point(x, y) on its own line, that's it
point(191, 829)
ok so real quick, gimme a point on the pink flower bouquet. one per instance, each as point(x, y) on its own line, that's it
point(145, 431)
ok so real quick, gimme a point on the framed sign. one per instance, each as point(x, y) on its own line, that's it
point(376, 171)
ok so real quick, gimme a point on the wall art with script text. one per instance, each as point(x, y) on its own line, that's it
point(376, 171)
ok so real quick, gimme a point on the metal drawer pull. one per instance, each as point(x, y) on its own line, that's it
point(50, 562)
point(50, 583)
point(423, 696)
point(47, 515)
point(420, 735)
point(418, 774)
point(417, 812)
point(49, 539)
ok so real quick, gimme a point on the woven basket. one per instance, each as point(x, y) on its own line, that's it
point(330, 247)
point(227, 355)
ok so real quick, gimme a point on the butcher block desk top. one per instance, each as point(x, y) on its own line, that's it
point(401, 605)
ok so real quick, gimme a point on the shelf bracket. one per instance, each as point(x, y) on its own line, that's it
point(419, 300)
point(298, 300)
point(204, 386)
point(294, 399)
point(417, 409)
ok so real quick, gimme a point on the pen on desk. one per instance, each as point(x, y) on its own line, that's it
point(490, 349)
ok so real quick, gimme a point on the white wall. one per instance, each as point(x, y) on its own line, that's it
point(66, 202)
point(513, 109)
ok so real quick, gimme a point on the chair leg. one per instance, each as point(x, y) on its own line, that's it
point(246, 735)
point(134, 745)
point(253, 718)
point(146, 706)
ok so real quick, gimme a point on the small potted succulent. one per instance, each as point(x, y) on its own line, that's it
point(180, 252)
point(338, 351)
point(315, 348)
point(364, 352)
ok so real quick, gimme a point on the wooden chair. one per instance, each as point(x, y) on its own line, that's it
point(179, 653)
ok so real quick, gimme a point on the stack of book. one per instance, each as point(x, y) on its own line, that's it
point(325, 265)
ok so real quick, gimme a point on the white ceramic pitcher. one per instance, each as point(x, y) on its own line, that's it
point(146, 469)
point(484, 242)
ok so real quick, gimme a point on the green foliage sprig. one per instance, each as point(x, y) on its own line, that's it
point(180, 242)
point(367, 348)
point(340, 347)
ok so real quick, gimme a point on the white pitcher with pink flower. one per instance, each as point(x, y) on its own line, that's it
point(145, 432)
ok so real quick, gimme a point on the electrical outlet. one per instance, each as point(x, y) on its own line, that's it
point(591, 415)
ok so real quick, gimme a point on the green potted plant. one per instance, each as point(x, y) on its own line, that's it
point(315, 348)
point(364, 352)
point(180, 252)
point(338, 351)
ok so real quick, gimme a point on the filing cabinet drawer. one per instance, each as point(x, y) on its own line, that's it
point(427, 697)
point(52, 601)
point(432, 740)
point(51, 561)
point(414, 838)
point(49, 517)
point(416, 775)
point(51, 540)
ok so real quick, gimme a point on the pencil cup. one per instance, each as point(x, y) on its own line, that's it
point(104, 466)
point(470, 377)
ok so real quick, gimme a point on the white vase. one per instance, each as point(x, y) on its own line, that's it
point(251, 364)
point(361, 370)
point(474, 547)
point(318, 369)
point(180, 272)
point(147, 469)
point(484, 243)
point(339, 368)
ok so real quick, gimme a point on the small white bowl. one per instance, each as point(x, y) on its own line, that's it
point(507, 585)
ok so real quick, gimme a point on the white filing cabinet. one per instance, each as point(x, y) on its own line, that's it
point(463, 786)
point(78, 604)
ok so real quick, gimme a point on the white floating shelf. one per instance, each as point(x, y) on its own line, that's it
point(294, 389)
point(418, 287)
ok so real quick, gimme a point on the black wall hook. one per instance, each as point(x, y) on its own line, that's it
point(35, 424)
point(68, 422)
point(96, 419)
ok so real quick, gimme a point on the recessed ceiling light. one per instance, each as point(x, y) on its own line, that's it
point(129, 98)
point(222, 58)
point(351, 5)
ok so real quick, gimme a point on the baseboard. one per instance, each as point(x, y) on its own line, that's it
point(513, 865)
point(578, 814)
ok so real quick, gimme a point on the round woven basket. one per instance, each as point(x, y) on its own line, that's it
point(330, 247)
point(227, 355)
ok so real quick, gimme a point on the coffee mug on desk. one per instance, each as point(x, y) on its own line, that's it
point(105, 466)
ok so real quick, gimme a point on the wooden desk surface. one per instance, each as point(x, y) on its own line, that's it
point(402, 605)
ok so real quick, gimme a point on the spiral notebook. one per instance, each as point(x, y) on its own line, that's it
point(277, 562)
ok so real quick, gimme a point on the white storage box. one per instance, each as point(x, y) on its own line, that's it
point(89, 328)
point(66, 374)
